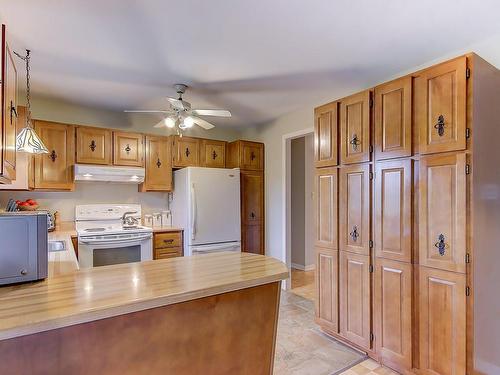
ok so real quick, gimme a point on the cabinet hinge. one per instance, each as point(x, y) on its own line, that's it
point(467, 73)
point(371, 175)
point(370, 243)
point(467, 132)
point(467, 291)
point(467, 169)
point(372, 336)
point(467, 258)
point(370, 268)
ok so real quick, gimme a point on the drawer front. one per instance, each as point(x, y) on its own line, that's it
point(163, 240)
point(169, 252)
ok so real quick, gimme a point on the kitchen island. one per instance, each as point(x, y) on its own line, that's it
point(210, 314)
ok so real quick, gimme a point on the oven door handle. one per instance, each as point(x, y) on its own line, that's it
point(117, 241)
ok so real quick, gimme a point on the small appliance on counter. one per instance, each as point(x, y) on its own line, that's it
point(23, 246)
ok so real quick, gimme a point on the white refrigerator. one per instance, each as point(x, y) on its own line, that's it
point(206, 204)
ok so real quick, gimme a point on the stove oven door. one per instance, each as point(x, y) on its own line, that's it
point(105, 250)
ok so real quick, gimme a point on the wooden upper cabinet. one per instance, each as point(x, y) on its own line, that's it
point(393, 116)
point(245, 155)
point(442, 211)
point(326, 207)
point(212, 153)
point(325, 135)
point(354, 286)
point(442, 321)
point(55, 170)
point(158, 164)
point(128, 149)
point(93, 145)
point(440, 107)
point(9, 113)
point(393, 209)
point(355, 116)
point(327, 280)
point(393, 313)
point(354, 209)
point(186, 152)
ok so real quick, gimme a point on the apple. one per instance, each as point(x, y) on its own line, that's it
point(24, 204)
point(32, 202)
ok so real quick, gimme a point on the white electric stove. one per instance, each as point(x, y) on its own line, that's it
point(104, 240)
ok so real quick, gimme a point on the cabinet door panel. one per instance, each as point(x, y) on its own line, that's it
point(158, 164)
point(128, 149)
point(393, 208)
point(354, 229)
point(442, 212)
point(442, 309)
point(326, 207)
point(355, 128)
point(253, 238)
point(393, 313)
point(325, 135)
point(252, 156)
point(252, 196)
point(212, 153)
point(326, 302)
point(355, 298)
point(8, 147)
point(186, 152)
point(440, 107)
point(93, 146)
point(393, 119)
point(55, 169)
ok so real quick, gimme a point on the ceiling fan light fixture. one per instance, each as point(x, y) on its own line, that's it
point(169, 122)
point(188, 122)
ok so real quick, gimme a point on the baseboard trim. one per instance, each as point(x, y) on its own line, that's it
point(309, 267)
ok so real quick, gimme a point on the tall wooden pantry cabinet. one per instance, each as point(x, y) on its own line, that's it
point(407, 201)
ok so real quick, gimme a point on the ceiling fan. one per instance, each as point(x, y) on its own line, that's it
point(181, 115)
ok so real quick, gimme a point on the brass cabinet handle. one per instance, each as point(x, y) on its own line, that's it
point(354, 142)
point(12, 110)
point(440, 125)
point(252, 156)
point(158, 163)
point(354, 234)
point(441, 245)
point(128, 149)
point(92, 145)
point(214, 155)
point(53, 155)
point(187, 152)
point(252, 215)
point(168, 241)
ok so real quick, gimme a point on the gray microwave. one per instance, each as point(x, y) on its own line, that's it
point(23, 247)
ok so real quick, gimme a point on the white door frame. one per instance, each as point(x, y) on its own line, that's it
point(286, 180)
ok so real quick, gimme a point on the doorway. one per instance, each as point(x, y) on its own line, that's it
point(299, 236)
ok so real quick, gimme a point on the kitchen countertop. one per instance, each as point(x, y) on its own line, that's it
point(65, 261)
point(97, 293)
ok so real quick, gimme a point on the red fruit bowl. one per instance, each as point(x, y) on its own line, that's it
point(28, 207)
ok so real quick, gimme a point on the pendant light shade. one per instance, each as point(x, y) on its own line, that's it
point(28, 141)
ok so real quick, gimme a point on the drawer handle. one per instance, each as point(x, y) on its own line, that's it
point(128, 149)
point(441, 245)
point(354, 142)
point(214, 155)
point(252, 156)
point(93, 145)
point(158, 163)
point(53, 155)
point(169, 240)
point(354, 234)
point(440, 125)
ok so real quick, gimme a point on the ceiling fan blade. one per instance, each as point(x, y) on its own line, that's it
point(179, 104)
point(204, 124)
point(211, 112)
point(147, 111)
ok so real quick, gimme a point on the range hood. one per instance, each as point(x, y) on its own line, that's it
point(98, 173)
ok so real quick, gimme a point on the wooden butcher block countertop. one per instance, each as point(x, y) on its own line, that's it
point(90, 294)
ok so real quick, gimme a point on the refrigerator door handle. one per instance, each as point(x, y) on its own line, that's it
point(193, 213)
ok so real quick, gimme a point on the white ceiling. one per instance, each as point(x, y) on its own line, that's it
point(260, 59)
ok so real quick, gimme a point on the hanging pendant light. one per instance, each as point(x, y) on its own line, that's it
point(27, 140)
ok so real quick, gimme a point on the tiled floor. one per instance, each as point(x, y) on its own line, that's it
point(302, 349)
